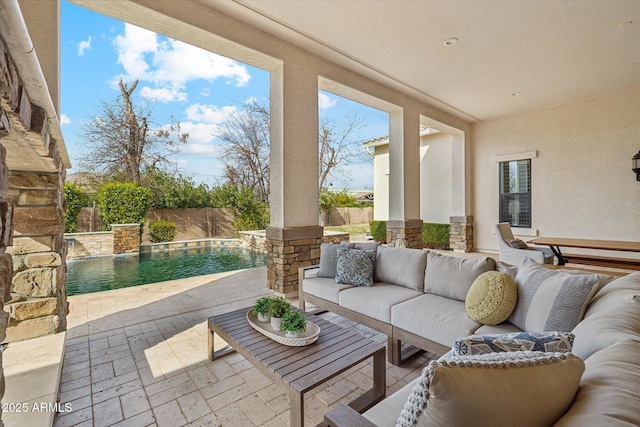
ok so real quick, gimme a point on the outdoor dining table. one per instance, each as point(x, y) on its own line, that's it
point(611, 245)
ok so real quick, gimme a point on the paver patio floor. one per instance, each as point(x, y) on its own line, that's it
point(138, 357)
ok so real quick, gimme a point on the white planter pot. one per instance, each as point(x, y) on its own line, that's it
point(275, 323)
point(292, 334)
point(264, 318)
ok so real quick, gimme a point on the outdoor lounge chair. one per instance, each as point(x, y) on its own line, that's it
point(513, 250)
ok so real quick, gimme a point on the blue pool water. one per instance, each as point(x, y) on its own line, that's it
point(114, 272)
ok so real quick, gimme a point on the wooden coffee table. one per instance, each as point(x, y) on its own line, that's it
point(300, 369)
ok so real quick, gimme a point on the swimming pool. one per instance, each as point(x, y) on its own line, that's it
point(113, 272)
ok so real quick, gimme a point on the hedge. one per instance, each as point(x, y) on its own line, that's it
point(435, 236)
point(378, 231)
point(123, 203)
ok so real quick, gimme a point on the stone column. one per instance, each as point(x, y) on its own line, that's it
point(39, 304)
point(294, 236)
point(461, 233)
point(126, 238)
point(6, 262)
point(288, 249)
point(405, 234)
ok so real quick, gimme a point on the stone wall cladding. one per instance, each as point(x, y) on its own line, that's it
point(289, 249)
point(126, 238)
point(405, 233)
point(461, 233)
point(82, 245)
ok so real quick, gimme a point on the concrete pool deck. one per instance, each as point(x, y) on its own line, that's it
point(138, 357)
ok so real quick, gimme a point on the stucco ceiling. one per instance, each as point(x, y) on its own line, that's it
point(551, 52)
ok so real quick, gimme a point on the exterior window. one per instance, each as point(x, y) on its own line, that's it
point(515, 193)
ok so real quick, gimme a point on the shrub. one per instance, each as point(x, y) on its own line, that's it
point(250, 213)
point(435, 236)
point(76, 199)
point(123, 203)
point(162, 231)
point(378, 231)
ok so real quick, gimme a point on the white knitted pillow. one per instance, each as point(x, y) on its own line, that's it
point(524, 388)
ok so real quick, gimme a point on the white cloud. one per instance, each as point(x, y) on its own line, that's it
point(199, 133)
point(64, 119)
point(171, 64)
point(83, 46)
point(209, 113)
point(325, 101)
point(163, 94)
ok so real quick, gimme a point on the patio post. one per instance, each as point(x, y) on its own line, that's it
point(294, 236)
point(404, 227)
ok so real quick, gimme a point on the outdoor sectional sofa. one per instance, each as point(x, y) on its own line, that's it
point(418, 297)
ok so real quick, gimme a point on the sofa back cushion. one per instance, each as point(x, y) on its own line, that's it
point(608, 327)
point(401, 266)
point(452, 277)
point(613, 293)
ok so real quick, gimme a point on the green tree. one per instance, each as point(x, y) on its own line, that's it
point(76, 199)
point(175, 191)
point(123, 203)
point(250, 213)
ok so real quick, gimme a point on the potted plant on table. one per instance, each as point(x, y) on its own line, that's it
point(293, 324)
point(278, 307)
point(261, 309)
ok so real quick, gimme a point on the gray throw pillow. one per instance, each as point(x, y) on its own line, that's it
point(550, 300)
point(517, 244)
point(329, 258)
point(355, 267)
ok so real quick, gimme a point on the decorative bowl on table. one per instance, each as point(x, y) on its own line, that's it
point(305, 338)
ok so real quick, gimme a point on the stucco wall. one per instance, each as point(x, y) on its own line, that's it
point(436, 178)
point(582, 184)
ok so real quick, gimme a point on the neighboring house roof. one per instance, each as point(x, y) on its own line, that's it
point(384, 140)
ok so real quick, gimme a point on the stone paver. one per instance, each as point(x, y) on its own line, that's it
point(138, 357)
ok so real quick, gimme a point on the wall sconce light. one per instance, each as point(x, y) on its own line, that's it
point(636, 165)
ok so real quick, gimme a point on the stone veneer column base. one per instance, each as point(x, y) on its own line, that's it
point(461, 233)
point(287, 250)
point(405, 233)
point(126, 238)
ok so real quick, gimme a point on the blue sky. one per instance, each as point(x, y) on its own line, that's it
point(198, 88)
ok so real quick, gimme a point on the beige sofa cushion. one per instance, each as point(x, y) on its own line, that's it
point(401, 266)
point(502, 328)
point(496, 389)
point(435, 318)
point(452, 277)
point(616, 292)
point(386, 413)
point(609, 393)
point(375, 301)
point(325, 288)
point(607, 327)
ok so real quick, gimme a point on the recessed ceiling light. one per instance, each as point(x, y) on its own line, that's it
point(517, 93)
point(451, 41)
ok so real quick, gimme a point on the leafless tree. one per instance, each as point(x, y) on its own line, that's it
point(246, 154)
point(123, 139)
point(245, 135)
point(338, 147)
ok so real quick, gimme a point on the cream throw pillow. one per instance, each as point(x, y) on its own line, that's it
point(522, 388)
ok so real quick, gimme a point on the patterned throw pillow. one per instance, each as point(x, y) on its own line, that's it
point(498, 389)
point(491, 298)
point(550, 300)
point(329, 258)
point(355, 267)
point(517, 341)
